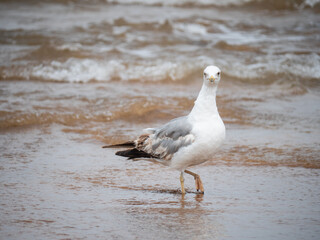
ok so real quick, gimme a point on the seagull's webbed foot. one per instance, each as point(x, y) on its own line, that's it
point(199, 185)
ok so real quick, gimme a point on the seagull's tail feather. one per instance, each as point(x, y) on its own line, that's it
point(134, 153)
point(120, 145)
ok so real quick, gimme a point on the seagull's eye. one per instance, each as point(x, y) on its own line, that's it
point(204, 74)
point(218, 73)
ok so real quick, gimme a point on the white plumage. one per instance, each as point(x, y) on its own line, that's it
point(186, 141)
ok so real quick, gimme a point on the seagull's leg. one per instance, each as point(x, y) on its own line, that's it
point(199, 185)
point(182, 183)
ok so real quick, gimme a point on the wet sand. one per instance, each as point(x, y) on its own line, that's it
point(59, 191)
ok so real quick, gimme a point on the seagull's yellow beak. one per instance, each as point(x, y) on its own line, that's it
point(211, 78)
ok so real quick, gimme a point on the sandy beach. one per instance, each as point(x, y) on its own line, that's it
point(75, 76)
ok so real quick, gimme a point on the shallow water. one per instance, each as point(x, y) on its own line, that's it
point(75, 76)
point(61, 189)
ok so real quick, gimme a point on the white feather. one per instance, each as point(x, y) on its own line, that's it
point(190, 140)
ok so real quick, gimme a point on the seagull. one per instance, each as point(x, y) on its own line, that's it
point(184, 141)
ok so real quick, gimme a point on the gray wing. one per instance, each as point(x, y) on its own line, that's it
point(163, 142)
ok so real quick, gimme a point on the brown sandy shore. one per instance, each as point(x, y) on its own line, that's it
point(65, 188)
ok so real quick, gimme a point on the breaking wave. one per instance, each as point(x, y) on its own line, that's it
point(268, 4)
point(266, 69)
point(85, 70)
point(286, 67)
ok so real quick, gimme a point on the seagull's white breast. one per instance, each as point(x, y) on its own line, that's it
point(209, 134)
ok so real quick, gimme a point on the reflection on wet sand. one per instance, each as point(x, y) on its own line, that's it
point(62, 192)
point(177, 216)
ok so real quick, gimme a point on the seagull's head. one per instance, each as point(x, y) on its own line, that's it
point(211, 75)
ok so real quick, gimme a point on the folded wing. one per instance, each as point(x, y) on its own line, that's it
point(167, 140)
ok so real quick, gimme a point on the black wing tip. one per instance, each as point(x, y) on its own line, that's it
point(134, 153)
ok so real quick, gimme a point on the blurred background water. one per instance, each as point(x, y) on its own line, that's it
point(95, 72)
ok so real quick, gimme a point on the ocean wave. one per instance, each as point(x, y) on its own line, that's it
point(267, 4)
point(263, 4)
point(272, 68)
point(297, 69)
point(77, 70)
point(85, 70)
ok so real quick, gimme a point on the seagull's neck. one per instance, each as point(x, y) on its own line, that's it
point(205, 106)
